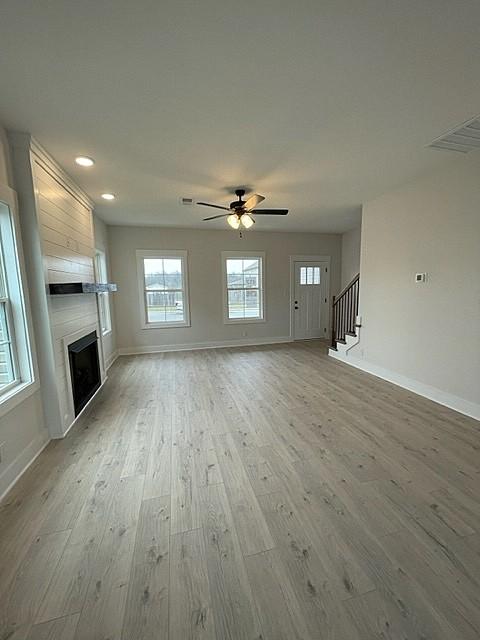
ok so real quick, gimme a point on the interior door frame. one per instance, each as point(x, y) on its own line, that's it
point(303, 258)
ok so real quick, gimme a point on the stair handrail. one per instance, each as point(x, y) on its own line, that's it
point(345, 310)
point(346, 288)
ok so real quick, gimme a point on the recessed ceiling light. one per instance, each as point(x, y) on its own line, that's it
point(84, 161)
point(108, 196)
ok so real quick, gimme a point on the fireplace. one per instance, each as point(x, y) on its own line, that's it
point(84, 369)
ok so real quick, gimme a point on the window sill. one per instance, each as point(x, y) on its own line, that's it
point(243, 320)
point(166, 325)
point(17, 395)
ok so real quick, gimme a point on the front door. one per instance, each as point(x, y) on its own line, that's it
point(310, 300)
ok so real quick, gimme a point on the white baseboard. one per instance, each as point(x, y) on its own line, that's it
point(449, 400)
point(20, 464)
point(194, 346)
point(111, 359)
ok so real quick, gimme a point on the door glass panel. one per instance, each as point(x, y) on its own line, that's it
point(309, 275)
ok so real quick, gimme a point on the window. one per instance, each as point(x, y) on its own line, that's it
point(309, 275)
point(16, 369)
point(104, 297)
point(243, 287)
point(163, 288)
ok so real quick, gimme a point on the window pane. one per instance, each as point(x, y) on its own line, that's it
point(4, 335)
point(101, 267)
point(6, 361)
point(303, 275)
point(236, 303)
point(316, 275)
point(251, 265)
point(174, 307)
point(101, 308)
point(153, 266)
point(235, 274)
point(251, 280)
point(173, 281)
point(6, 369)
point(252, 303)
point(156, 306)
point(235, 281)
point(172, 265)
point(234, 266)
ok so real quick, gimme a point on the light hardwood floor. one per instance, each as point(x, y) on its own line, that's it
point(256, 493)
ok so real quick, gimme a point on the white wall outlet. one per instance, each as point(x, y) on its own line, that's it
point(420, 277)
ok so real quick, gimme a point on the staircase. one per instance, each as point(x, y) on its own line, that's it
point(345, 320)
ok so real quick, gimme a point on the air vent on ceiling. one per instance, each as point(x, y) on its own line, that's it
point(462, 139)
point(186, 200)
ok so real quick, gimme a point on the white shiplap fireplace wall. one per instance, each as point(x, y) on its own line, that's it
point(58, 231)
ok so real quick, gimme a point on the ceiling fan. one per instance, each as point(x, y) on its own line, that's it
point(241, 211)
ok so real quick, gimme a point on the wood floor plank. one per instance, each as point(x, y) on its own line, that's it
point(191, 613)
point(104, 608)
point(232, 600)
point(306, 572)
point(68, 587)
point(146, 612)
point(58, 629)
point(277, 605)
point(458, 615)
point(158, 469)
point(20, 603)
point(252, 530)
point(186, 510)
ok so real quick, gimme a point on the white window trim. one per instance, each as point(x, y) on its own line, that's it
point(99, 253)
point(161, 253)
point(21, 337)
point(239, 255)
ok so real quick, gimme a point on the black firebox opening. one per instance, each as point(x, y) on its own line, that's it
point(84, 369)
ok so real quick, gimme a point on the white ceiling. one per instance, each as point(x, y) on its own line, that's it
point(319, 105)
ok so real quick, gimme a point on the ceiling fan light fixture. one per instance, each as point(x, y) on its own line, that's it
point(246, 220)
point(233, 220)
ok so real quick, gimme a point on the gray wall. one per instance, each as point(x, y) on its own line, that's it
point(351, 241)
point(22, 430)
point(427, 332)
point(204, 261)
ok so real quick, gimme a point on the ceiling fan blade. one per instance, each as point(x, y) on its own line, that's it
point(252, 201)
point(222, 215)
point(215, 206)
point(269, 212)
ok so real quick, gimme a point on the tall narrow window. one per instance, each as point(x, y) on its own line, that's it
point(16, 369)
point(104, 297)
point(8, 367)
point(163, 288)
point(243, 287)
